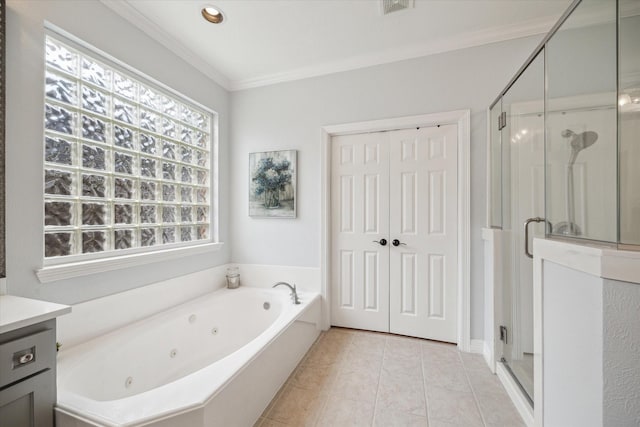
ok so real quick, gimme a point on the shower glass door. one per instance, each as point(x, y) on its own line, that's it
point(523, 172)
point(581, 134)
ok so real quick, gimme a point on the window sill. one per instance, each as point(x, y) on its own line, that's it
point(84, 268)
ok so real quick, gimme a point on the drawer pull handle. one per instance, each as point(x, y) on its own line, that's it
point(26, 358)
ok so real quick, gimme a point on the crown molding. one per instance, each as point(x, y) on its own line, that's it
point(463, 41)
point(156, 32)
point(473, 39)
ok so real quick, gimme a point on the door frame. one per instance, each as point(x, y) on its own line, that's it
point(460, 118)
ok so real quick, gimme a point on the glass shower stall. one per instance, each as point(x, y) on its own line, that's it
point(564, 157)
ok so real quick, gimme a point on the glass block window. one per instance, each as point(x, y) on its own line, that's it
point(126, 163)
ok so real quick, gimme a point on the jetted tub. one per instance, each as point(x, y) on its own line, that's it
point(217, 360)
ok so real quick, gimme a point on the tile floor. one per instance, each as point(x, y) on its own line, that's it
point(355, 378)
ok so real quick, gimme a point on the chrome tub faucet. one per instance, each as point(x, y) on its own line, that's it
point(294, 293)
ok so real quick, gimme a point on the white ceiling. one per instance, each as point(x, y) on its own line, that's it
point(268, 41)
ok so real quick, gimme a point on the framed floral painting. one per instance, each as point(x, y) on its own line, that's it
point(272, 184)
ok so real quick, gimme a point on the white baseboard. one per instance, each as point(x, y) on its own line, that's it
point(477, 346)
point(488, 357)
point(519, 401)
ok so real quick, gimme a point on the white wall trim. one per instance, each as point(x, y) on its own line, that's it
point(519, 401)
point(487, 353)
point(461, 118)
point(325, 227)
point(492, 294)
point(83, 268)
point(462, 41)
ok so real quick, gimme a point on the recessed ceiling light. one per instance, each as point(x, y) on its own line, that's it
point(212, 14)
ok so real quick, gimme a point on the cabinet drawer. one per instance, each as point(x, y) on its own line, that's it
point(26, 356)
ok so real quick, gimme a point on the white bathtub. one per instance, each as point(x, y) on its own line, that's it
point(216, 360)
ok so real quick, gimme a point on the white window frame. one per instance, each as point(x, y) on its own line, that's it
point(63, 267)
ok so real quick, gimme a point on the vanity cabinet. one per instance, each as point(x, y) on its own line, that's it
point(28, 376)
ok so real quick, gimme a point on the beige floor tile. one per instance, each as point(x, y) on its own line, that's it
point(499, 412)
point(401, 365)
point(274, 400)
point(360, 384)
point(442, 423)
point(402, 356)
point(474, 362)
point(458, 408)
point(440, 353)
point(483, 381)
point(363, 357)
point(391, 418)
point(325, 354)
point(401, 392)
point(496, 407)
point(340, 412)
point(348, 376)
point(370, 342)
point(447, 374)
point(402, 347)
point(313, 377)
point(264, 422)
point(297, 406)
point(338, 335)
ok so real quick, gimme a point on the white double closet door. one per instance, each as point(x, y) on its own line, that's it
point(400, 186)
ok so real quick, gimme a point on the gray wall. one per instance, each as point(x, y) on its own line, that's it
point(287, 115)
point(92, 22)
point(290, 116)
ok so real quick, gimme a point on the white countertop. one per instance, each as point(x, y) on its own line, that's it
point(18, 312)
point(593, 259)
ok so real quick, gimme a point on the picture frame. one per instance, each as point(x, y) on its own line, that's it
point(272, 184)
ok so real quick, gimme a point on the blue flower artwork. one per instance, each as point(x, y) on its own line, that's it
point(272, 191)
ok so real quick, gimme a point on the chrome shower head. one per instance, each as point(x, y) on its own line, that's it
point(583, 140)
point(579, 141)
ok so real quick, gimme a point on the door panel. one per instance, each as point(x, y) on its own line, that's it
point(396, 185)
point(360, 200)
point(423, 216)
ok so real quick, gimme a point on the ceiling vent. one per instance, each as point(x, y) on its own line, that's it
point(389, 6)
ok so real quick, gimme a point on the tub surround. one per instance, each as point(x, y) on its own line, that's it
point(306, 278)
point(17, 312)
point(95, 317)
point(256, 340)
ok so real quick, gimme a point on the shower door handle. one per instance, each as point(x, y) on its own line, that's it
point(526, 232)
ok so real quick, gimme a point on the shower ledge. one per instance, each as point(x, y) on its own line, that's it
point(600, 261)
